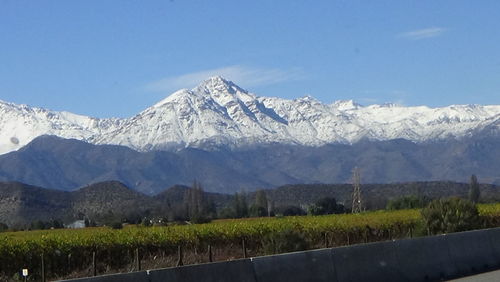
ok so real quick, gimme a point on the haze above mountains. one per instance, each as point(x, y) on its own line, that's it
point(232, 140)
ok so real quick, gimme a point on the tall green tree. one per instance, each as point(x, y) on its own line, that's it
point(474, 191)
point(240, 205)
point(261, 199)
point(259, 208)
point(197, 206)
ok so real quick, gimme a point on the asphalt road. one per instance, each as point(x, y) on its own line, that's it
point(483, 277)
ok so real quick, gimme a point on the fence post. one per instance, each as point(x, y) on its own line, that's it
point(244, 248)
point(326, 240)
point(137, 260)
point(94, 264)
point(43, 268)
point(210, 258)
point(179, 255)
point(69, 263)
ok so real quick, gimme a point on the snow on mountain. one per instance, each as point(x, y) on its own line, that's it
point(19, 124)
point(218, 112)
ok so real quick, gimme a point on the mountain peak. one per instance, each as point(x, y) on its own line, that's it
point(308, 98)
point(218, 112)
point(346, 105)
point(217, 79)
point(218, 84)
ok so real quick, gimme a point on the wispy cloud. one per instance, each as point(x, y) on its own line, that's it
point(423, 33)
point(242, 75)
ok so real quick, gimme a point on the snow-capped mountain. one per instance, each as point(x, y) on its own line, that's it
point(218, 112)
point(19, 124)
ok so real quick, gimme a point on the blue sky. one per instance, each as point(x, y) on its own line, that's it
point(115, 58)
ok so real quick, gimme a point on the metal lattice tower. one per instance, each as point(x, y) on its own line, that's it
point(357, 206)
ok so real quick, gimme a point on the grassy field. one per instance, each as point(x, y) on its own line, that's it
point(69, 250)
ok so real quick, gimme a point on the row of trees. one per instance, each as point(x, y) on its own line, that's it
point(421, 201)
point(197, 207)
point(240, 207)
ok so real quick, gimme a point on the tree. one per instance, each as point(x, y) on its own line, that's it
point(240, 205)
point(261, 199)
point(450, 215)
point(196, 204)
point(407, 202)
point(290, 211)
point(259, 208)
point(37, 225)
point(474, 191)
point(116, 225)
point(256, 211)
point(270, 208)
point(326, 205)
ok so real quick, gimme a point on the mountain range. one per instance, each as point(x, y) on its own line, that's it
point(232, 140)
point(220, 113)
point(68, 164)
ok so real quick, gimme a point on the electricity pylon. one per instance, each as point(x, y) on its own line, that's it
point(357, 203)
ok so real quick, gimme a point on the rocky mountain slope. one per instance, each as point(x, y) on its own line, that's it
point(66, 164)
point(220, 113)
point(21, 204)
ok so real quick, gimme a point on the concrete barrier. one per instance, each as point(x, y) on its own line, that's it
point(367, 262)
point(494, 236)
point(425, 259)
point(237, 270)
point(312, 266)
point(140, 276)
point(471, 252)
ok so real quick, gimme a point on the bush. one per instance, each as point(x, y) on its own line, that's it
point(198, 219)
point(288, 240)
point(116, 225)
point(407, 202)
point(146, 222)
point(257, 211)
point(290, 211)
point(326, 206)
point(450, 215)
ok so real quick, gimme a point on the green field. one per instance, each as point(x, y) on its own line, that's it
point(66, 249)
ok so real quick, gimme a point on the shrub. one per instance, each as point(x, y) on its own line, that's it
point(199, 218)
point(257, 211)
point(116, 225)
point(407, 202)
point(450, 215)
point(288, 240)
point(146, 222)
point(290, 211)
point(326, 206)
